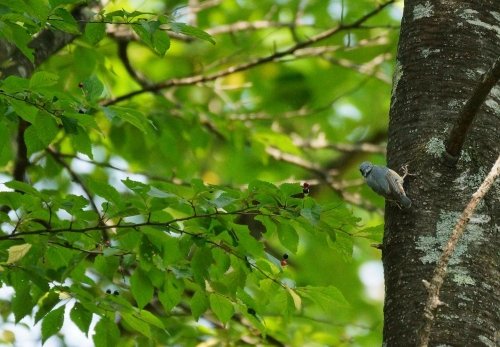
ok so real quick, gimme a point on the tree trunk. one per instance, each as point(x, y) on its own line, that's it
point(444, 49)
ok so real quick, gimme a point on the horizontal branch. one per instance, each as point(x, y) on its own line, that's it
point(101, 227)
point(196, 79)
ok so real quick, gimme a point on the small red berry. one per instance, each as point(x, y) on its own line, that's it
point(284, 262)
point(305, 188)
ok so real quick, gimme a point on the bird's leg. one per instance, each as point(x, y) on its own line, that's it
point(405, 171)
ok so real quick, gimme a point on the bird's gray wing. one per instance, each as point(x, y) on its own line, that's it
point(395, 182)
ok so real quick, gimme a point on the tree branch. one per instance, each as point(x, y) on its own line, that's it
point(122, 54)
point(80, 182)
point(44, 45)
point(459, 131)
point(195, 79)
point(439, 274)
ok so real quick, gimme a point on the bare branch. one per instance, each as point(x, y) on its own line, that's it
point(80, 182)
point(459, 131)
point(434, 285)
point(197, 79)
point(123, 55)
point(322, 143)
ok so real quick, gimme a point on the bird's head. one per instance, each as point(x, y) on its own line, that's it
point(365, 168)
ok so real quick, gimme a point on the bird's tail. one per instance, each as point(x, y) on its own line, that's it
point(405, 201)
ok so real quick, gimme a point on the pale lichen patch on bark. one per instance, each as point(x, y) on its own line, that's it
point(475, 73)
point(470, 181)
point(486, 341)
point(468, 13)
point(423, 10)
point(461, 277)
point(492, 103)
point(455, 104)
point(435, 147)
point(398, 73)
point(427, 51)
point(471, 17)
point(432, 246)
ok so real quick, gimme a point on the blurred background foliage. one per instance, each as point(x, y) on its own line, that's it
point(310, 116)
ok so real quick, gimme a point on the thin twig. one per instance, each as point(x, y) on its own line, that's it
point(123, 55)
point(174, 180)
point(197, 79)
point(120, 225)
point(434, 286)
point(80, 182)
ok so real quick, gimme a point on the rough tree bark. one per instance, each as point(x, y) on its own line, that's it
point(445, 47)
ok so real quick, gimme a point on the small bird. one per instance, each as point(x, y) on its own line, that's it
point(385, 182)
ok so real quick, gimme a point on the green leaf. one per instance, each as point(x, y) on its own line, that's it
point(171, 293)
point(92, 88)
point(24, 110)
point(46, 128)
point(106, 333)
point(199, 304)
point(150, 318)
point(329, 298)
point(246, 242)
point(289, 189)
point(17, 252)
point(191, 31)
point(63, 20)
point(141, 287)
point(22, 304)
point(81, 142)
point(73, 118)
point(200, 263)
point(311, 211)
point(105, 191)
point(161, 42)
point(136, 186)
point(374, 233)
point(137, 324)
point(52, 323)
point(23, 187)
point(19, 36)
point(15, 84)
point(81, 317)
point(343, 244)
point(106, 266)
point(171, 250)
point(221, 307)
point(95, 32)
point(58, 257)
point(278, 140)
point(129, 115)
point(43, 79)
point(46, 304)
point(288, 236)
point(151, 34)
point(269, 223)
